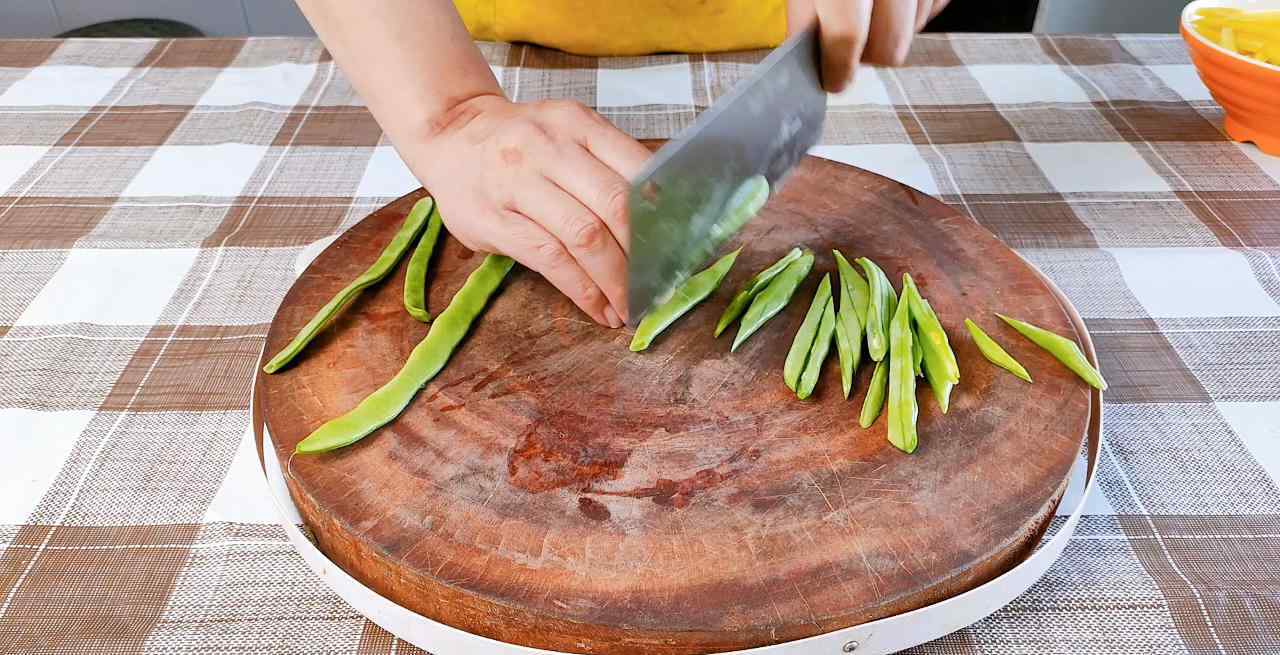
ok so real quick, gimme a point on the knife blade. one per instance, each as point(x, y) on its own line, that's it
point(764, 126)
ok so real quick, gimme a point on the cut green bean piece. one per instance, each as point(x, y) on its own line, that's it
point(744, 204)
point(693, 291)
point(874, 402)
point(917, 355)
point(848, 339)
point(774, 298)
point(425, 361)
point(859, 291)
point(902, 382)
point(818, 354)
point(941, 387)
point(1064, 349)
point(994, 352)
point(881, 306)
point(415, 277)
point(804, 339)
point(754, 285)
point(933, 338)
point(391, 254)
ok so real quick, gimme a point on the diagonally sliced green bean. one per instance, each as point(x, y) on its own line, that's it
point(744, 204)
point(881, 306)
point(933, 338)
point(848, 339)
point(934, 368)
point(769, 302)
point(859, 291)
point(426, 360)
point(1060, 347)
point(386, 261)
point(693, 291)
point(803, 342)
point(902, 382)
point(874, 402)
point(415, 277)
point(818, 354)
point(994, 352)
point(753, 286)
point(917, 355)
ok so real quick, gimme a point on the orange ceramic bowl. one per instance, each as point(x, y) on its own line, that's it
point(1247, 89)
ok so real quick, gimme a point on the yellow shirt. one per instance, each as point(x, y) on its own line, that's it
point(629, 27)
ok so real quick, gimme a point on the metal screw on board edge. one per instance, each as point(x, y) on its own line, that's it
point(850, 646)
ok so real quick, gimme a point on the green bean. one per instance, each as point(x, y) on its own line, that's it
point(775, 296)
point(902, 382)
point(859, 291)
point(754, 285)
point(934, 370)
point(391, 254)
point(744, 204)
point(933, 338)
point(693, 291)
point(803, 342)
point(881, 306)
point(415, 277)
point(427, 359)
point(917, 355)
point(994, 352)
point(874, 402)
point(1064, 349)
point(818, 354)
point(848, 338)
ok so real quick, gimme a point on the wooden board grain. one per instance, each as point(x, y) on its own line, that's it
point(552, 489)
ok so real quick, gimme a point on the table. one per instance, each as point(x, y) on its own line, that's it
point(157, 198)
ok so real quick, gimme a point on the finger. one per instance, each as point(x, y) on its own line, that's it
point(842, 35)
point(924, 11)
point(938, 6)
point(534, 247)
point(597, 186)
point(892, 26)
point(585, 236)
point(615, 148)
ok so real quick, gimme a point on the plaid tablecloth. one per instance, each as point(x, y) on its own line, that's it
point(157, 198)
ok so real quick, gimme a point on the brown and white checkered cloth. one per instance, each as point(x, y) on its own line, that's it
point(157, 198)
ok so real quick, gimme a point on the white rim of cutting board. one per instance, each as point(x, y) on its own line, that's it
point(880, 637)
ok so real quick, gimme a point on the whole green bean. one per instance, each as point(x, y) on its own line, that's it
point(881, 306)
point(818, 354)
point(693, 291)
point(391, 254)
point(415, 277)
point(754, 285)
point(874, 402)
point(902, 382)
point(859, 291)
point(804, 339)
point(1064, 349)
point(775, 296)
point(994, 352)
point(848, 338)
point(933, 338)
point(425, 361)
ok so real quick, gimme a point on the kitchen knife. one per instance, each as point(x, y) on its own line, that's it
point(678, 201)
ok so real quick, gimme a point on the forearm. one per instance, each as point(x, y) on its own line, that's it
point(411, 60)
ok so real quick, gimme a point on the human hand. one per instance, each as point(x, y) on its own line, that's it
point(849, 31)
point(545, 183)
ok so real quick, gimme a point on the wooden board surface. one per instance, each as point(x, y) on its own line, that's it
point(551, 488)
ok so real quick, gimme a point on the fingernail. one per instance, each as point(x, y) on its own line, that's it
point(612, 317)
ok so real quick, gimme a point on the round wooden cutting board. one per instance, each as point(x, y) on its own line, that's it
point(552, 489)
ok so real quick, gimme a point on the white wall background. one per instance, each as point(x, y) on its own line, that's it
point(43, 18)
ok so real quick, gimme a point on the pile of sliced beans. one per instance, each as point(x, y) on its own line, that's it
point(1253, 34)
point(860, 313)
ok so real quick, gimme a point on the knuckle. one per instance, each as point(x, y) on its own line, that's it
point(587, 233)
point(549, 254)
point(616, 201)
